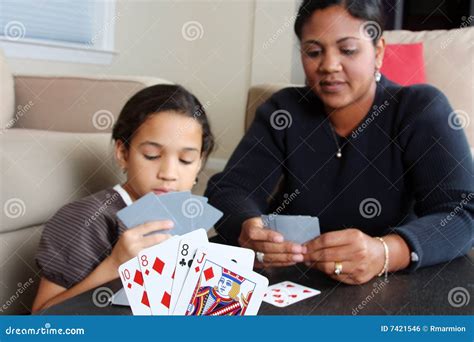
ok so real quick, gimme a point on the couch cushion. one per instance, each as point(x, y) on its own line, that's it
point(449, 66)
point(404, 63)
point(7, 94)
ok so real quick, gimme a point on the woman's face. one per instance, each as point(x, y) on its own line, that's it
point(338, 59)
point(164, 155)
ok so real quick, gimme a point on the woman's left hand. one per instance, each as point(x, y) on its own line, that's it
point(360, 255)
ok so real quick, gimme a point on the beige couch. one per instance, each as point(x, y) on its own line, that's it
point(58, 148)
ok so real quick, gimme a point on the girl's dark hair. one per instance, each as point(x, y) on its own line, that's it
point(159, 98)
point(367, 10)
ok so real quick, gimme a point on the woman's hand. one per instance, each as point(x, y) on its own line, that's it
point(132, 241)
point(362, 257)
point(277, 252)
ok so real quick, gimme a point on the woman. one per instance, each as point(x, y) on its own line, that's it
point(376, 162)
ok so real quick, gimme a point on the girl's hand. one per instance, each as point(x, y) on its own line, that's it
point(276, 252)
point(132, 241)
point(362, 257)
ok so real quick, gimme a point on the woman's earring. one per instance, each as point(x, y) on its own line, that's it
point(196, 181)
point(378, 75)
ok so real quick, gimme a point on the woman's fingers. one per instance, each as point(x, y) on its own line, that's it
point(340, 253)
point(334, 239)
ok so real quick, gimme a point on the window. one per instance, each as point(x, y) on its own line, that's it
point(64, 30)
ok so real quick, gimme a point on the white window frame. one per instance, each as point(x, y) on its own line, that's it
point(101, 52)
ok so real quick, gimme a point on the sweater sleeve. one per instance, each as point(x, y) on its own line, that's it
point(250, 176)
point(439, 170)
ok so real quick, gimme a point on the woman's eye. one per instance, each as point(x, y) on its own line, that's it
point(185, 162)
point(151, 157)
point(349, 52)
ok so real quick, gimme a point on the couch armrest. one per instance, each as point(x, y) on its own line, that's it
point(70, 104)
point(42, 171)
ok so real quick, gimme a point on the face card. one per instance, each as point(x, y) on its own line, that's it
point(157, 264)
point(188, 246)
point(298, 229)
point(287, 293)
point(146, 209)
point(133, 283)
point(216, 286)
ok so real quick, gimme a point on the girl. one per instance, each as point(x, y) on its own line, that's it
point(162, 140)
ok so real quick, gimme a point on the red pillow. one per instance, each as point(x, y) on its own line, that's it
point(404, 63)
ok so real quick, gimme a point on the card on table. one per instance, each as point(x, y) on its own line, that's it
point(157, 265)
point(217, 286)
point(133, 284)
point(287, 293)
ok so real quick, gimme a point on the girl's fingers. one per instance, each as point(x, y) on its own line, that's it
point(149, 227)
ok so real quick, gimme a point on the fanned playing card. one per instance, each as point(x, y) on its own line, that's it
point(157, 264)
point(133, 284)
point(216, 286)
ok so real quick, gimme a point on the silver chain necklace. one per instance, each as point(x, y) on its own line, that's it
point(339, 148)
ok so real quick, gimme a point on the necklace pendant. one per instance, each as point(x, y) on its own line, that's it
point(339, 154)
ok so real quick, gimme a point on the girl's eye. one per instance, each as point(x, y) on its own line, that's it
point(313, 54)
point(151, 157)
point(185, 162)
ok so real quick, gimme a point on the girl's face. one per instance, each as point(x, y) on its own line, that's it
point(338, 59)
point(164, 155)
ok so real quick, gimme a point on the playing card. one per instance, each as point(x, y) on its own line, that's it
point(188, 246)
point(146, 209)
point(204, 217)
point(269, 221)
point(216, 286)
point(184, 206)
point(242, 256)
point(287, 293)
point(132, 281)
point(298, 229)
point(157, 264)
